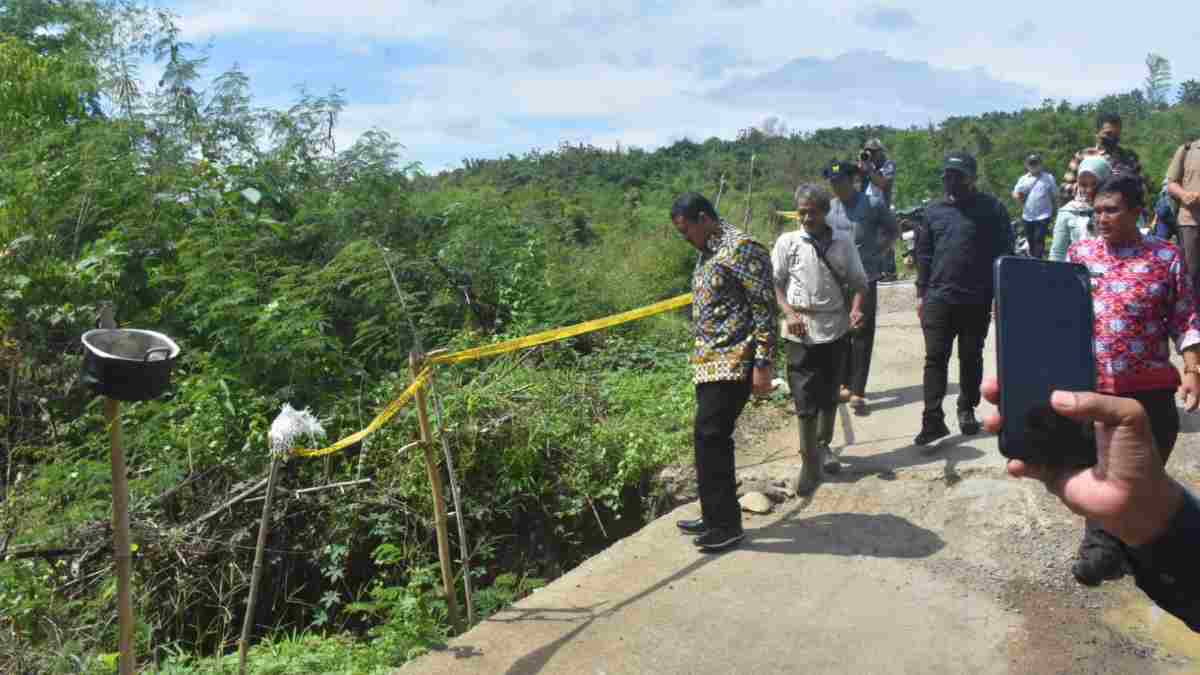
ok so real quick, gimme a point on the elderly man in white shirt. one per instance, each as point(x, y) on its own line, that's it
point(820, 285)
point(1038, 194)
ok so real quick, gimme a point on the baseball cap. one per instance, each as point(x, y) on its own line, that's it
point(960, 161)
point(839, 168)
point(1033, 158)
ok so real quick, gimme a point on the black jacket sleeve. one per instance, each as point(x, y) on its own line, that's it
point(1168, 570)
point(923, 255)
point(1004, 230)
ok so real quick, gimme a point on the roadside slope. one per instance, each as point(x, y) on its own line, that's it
point(910, 561)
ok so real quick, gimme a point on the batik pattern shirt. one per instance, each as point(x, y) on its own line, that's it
point(1141, 296)
point(733, 308)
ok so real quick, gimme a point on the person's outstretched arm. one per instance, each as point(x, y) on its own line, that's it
point(1130, 494)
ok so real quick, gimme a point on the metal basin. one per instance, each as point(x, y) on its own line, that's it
point(128, 364)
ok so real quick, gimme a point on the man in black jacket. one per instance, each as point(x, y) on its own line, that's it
point(959, 239)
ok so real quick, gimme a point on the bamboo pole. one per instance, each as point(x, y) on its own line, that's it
point(459, 516)
point(264, 526)
point(120, 497)
point(439, 505)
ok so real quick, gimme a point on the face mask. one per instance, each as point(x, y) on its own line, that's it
point(1109, 142)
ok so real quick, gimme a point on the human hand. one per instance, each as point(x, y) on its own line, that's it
point(761, 381)
point(795, 324)
point(1190, 391)
point(1128, 492)
point(856, 319)
point(1191, 199)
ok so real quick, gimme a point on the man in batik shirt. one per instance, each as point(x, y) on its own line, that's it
point(1142, 295)
point(733, 317)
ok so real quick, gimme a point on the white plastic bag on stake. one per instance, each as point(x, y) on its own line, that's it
point(291, 424)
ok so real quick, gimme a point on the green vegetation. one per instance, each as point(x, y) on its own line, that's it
point(269, 255)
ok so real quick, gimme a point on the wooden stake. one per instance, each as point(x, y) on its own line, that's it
point(459, 518)
point(264, 526)
point(120, 497)
point(439, 505)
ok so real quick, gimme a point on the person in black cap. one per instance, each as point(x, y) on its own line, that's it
point(1038, 195)
point(960, 237)
point(872, 227)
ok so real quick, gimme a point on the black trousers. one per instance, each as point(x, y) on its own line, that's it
point(862, 343)
point(942, 323)
point(1164, 426)
point(718, 405)
point(813, 373)
point(1035, 235)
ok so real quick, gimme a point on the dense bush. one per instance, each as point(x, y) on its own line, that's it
point(293, 272)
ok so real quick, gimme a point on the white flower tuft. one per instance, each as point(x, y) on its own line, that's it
point(290, 425)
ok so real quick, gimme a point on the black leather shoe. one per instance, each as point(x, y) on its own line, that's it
point(967, 424)
point(1099, 561)
point(931, 431)
point(692, 526)
point(719, 539)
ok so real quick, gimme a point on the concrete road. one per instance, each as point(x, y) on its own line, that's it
point(910, 561)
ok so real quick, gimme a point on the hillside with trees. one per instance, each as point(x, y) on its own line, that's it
point(295, 271)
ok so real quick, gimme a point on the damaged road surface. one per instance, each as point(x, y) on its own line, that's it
point(911, 560)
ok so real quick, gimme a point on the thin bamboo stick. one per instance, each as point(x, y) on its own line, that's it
point(264, 526)
point(120, 497)
point(459, 516)
point(439, 504)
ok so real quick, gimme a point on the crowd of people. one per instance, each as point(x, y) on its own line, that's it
point(816, 290)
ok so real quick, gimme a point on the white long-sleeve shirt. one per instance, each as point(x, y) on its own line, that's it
point(811, 288)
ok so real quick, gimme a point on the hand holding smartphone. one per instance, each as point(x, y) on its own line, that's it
point(1044, 342)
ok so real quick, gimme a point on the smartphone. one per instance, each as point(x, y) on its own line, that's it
point(1044, 341)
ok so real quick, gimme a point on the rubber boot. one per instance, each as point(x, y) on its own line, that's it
point(825, 421)
point(811, 472)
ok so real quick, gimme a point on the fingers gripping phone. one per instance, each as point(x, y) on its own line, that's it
point(1044, 342)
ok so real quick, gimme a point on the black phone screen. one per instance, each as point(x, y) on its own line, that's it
point(1044, 342)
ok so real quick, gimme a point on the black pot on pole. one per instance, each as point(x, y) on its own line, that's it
point(127, 364)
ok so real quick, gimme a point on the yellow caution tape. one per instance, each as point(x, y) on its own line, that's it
point(563, 333)
point(381, 419)
point(505, 347)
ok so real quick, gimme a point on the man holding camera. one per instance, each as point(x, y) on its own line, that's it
point(878, 176)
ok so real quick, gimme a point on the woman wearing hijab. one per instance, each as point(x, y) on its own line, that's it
point(1075, 219)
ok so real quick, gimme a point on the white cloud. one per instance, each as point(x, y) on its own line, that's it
point(513, 74)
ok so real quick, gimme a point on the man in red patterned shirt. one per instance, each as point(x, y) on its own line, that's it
point(1142, 295)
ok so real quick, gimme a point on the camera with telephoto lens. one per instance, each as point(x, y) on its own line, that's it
point(865, 155)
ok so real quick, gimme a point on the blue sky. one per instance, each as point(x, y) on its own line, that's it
point(451, 79)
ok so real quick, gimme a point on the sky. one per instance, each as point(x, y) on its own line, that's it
point(481, 79)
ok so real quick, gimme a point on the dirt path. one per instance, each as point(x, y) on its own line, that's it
point(909, 561)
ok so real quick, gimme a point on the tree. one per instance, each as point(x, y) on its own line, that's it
point(1189, 92)
point(774, 127)
point(1158, 80)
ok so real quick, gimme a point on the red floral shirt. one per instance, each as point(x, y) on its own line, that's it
point(1141, 295)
